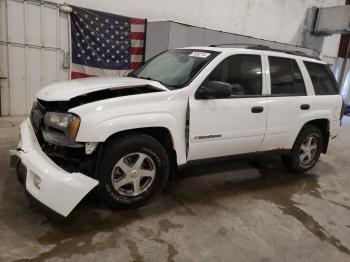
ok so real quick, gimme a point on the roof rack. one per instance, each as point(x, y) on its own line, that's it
point(267, 48)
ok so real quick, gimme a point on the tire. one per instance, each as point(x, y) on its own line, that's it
point(303, 157)
point(140, 166)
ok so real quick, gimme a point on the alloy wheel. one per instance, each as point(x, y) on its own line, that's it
point(133, 174)
point(308, 150)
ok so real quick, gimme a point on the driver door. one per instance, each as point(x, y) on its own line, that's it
point(232, 125)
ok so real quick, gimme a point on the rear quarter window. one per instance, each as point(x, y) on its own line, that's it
point(322, 79)
point(286, 78)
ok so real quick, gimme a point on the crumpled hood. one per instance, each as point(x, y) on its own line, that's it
point(64, 91)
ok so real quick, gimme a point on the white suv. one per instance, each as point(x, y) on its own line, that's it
point(125, 135)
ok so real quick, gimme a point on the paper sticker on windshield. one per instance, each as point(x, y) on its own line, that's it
point(199, 54)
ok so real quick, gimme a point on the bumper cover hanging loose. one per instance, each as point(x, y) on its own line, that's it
point(44, 181)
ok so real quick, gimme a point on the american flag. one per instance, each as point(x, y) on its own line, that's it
point(105, 44)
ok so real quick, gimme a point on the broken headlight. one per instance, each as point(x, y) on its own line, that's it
point(65, 125)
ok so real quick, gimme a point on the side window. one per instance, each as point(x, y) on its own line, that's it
point(286, 78)
point(242, 72)
point(322, 79)
point(299, 85)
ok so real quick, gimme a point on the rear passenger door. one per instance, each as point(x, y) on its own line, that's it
point(289, 102)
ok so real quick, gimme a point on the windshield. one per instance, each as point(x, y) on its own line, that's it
point(175, 68)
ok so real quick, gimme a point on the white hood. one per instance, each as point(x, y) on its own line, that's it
point(64, 91)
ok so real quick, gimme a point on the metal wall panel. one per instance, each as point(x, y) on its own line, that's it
point(227, 38)
point(177, 35)
point(194, 35)
point(34, 46)
point(182, 35)
point(34, 73)
point(34, 16)
point(50, 67)
point(18, 81)
point(211, 37)
point(157, 38)
point(4, 83)
point(16, 21)
point(4, 90)
point(50, 26)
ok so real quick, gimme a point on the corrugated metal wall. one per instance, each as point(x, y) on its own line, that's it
point(33, 51)
point(165, 35)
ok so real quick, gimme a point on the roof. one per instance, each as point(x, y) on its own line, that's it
point(274, 52)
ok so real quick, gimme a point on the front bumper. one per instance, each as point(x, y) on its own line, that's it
point(58, 190)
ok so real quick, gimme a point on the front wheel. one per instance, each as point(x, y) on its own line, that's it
point(306, 150)
point(132, 169)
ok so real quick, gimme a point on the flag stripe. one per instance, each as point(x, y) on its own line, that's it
point(137, 43)
point(136, 58)
point(136, 50)
point(137, 35)
point(75, 75)
point(137, 28)
point(135, 65)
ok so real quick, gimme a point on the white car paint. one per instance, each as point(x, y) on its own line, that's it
point(59, 190)
point(239, 130)
point(63, 91)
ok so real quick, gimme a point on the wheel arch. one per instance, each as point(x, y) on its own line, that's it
point(161, 125)
point(323, 124)
point(162, 134)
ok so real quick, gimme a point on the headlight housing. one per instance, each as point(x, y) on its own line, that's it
point(61, 128)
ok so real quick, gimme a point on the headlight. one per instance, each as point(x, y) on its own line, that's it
point(59, 120)
point(66, 123)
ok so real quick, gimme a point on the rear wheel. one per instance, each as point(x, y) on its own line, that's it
point(306, 150)
point(132, 169)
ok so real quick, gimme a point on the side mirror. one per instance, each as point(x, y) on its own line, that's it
point(213, 90)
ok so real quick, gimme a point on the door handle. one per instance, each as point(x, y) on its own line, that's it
point(257, 109)
point(305, 107)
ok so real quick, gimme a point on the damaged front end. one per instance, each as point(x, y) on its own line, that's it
point(55, 190)
point(56, 128)
point(56, 170)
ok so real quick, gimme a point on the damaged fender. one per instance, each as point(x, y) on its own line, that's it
point(55, 188)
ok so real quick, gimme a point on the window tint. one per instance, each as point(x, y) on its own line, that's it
point(286, 78)
point(242, 72)
point(299, 85)
point(322, 79)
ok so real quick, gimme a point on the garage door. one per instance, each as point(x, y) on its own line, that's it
point(33, 51)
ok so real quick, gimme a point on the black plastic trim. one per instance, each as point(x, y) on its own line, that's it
point(49, 213)
point(253, 96)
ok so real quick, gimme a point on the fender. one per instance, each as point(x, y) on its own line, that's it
point(103, 130)
point(315, 115)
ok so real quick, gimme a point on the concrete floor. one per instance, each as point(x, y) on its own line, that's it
point(240, 209)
